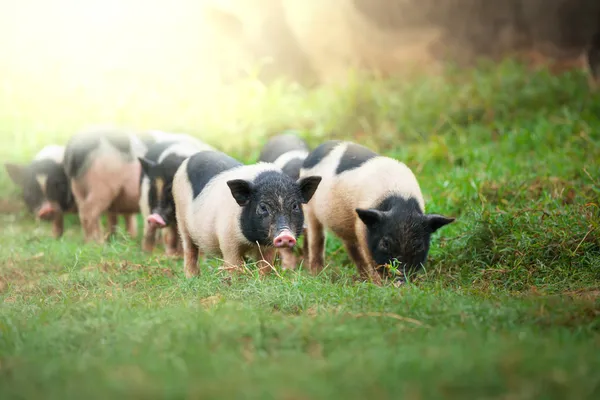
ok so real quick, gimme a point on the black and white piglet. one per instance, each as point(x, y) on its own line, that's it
point(287, 151)
point(373, 204)
point(156, 198)
point(45, 187)
point(225, 208)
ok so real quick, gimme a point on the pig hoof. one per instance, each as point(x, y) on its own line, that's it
point(191, 274)
point(173, 253)
point(231, 269)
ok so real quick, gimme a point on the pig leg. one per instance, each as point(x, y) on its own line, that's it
point(265, 257)
point(305, 244)
point(190, 258)
point(180, 246)
point(112, 223)
point(149, 237)
point(364, 268)
point(90, 206)
point(288, 259)
point(58, 225)
point(316, 243)
point(131, 224)
point(172, 241)
point(232, 257)
point(190, 253)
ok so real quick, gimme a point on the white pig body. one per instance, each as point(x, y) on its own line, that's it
point(231, 210)
point(372, 203)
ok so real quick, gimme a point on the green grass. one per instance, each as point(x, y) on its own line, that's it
point(508, 307)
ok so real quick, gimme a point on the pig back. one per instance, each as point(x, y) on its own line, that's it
point(114, 147)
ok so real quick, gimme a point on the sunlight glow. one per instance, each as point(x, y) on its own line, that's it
point(91, 39)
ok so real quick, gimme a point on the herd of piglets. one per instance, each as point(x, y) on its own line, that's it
point(200, 201)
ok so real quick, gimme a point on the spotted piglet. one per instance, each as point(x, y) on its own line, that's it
point(231, 210)
point(287, 151)
point(104, 171)
point(373, 204)
point(45, 187)
point(156, 200)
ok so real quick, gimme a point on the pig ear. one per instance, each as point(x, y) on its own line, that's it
point(369, 216)
point(146, 164)
point(241, 190)
point(16, 173)
point(436, 221)
point(308, 186)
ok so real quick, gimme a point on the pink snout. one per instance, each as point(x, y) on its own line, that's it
point(156, 220)
point(284, 239)
point(46, 212)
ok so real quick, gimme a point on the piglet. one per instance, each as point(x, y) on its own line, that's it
point(231, 210)
point(156, 200)
point(287, 151)
point(45, 187)
point(373, 204)
point(104, 172)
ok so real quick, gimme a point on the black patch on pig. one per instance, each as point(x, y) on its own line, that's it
point(204, 166)
point(147, 139)
point(354, 156)
point(292, 167)
point(58, 186)
point(319, 153)
point(58, 189)
point(120, 142)
point(153, 154)
point(80, 146)
point(398, 230)
point(271, 203)
point(164, 205)
point(279, 145)
point(77, 152)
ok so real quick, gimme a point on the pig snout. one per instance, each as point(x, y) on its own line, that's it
point(156, 220)
point(46, 212)
point(285, 238)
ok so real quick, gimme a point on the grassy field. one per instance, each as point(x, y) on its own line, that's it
point(508, 307)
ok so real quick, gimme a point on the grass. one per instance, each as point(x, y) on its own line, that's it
point(508, 307)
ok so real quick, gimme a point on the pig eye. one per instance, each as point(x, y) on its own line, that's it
point(295, 207)
point(262, 209)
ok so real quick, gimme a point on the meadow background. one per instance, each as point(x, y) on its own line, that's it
point(508, 306)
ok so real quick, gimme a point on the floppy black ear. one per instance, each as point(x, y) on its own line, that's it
point(308, 187)
point(16, 173)
point(241, 190)
point(146, 164)
point(436, 221)
point(369, 216)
